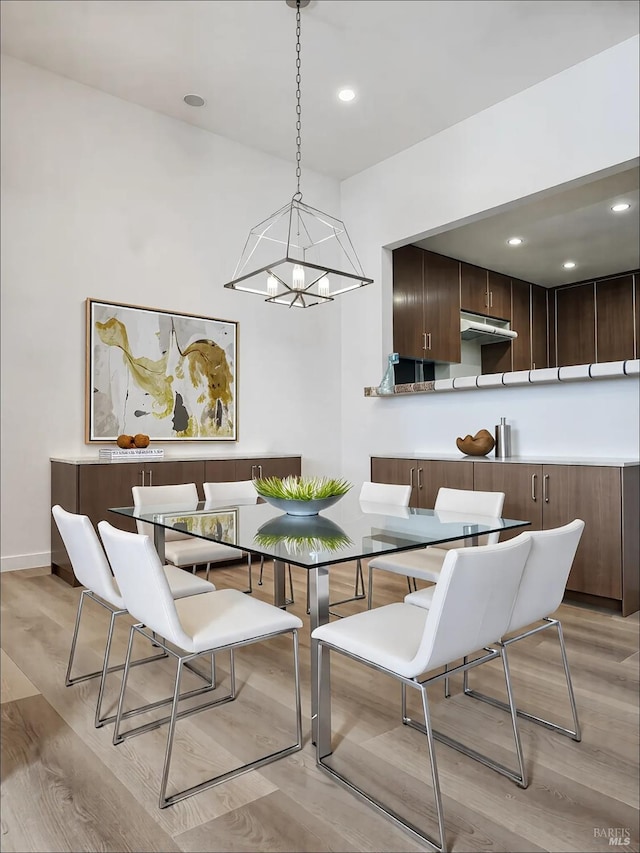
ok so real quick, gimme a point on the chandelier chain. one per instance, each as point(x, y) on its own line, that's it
point(298, 194)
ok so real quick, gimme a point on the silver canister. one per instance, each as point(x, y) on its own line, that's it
point(503, 439)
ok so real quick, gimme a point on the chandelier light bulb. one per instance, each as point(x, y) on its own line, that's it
point(272, 284)
point(298, 278)
point(323, 286)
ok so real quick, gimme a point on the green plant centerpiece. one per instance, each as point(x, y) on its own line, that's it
point(302, 495)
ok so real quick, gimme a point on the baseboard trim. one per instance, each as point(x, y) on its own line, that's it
point(25, 561)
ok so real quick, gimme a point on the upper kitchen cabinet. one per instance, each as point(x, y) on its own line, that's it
point(595, 321)
point(614, 319)
point(539, 328)
point(485, 292)
point(529, 319)
point(408, 302)
point(426, 305)
point(474, 290)
point(521, 322)
point(442, 309)
point(499, 295)
point(575, 313)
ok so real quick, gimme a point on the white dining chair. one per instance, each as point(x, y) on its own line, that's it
point(181, 549)
point(425, 564)
point(91, 568)
point(470, 610)
point(223, 620)
point(239, 492)
point(540, 594)
point(372, 495)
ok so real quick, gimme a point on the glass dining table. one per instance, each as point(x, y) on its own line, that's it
point(349, 530)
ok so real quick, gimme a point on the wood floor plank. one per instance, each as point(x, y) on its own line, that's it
point(15, 684)
point(57, 796)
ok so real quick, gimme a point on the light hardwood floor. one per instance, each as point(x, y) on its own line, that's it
point(66, 788)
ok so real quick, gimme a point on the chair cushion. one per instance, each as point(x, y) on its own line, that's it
point(229, 616)
point(189, 552)
point(424, 564)
point(183, 583)
point(387, 636)
point(421, 598)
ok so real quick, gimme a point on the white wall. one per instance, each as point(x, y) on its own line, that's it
point(104, 199)
point(577, 123)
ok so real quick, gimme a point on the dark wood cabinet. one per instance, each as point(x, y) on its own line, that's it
point(614, 319)
point(425, 476)
point(539, 328)
point(91, 488)
point(474, 289)
point(485, 292)
point(575, 325)
point(251, 469)
point(499, 295)
point(408, 302)
point(605, 498)
point(521, 322)
point(426, 305)
point(522, 487)
point(442, 308)
point(529, 319)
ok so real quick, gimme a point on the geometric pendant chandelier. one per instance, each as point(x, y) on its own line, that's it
point(298, 256)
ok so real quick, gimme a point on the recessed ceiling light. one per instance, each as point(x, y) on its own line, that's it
point(569, 265)
point(194, 100)
point(346, 94)
point(618, 208)
point(515, 241)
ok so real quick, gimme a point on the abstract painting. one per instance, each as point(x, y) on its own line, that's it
point(170, 376)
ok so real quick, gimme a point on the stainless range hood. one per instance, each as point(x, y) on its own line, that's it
point(484, 332)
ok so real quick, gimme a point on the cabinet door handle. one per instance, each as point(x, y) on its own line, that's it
point(533, 365)
point(142, 476)
point(545, 488)
point(429, 340)
point(424, 340)
point(491, 299)
point(260, 470)
point(419, 478)
point(533, 487)
point(253, 472)
point(150, 472)
point(411, 470)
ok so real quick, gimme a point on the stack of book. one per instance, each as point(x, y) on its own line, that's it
point(113, 454)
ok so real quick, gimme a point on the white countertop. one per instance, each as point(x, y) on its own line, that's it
point(607, 462)
point(172, 457)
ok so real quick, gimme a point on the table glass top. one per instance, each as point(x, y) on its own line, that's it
point(346, 531)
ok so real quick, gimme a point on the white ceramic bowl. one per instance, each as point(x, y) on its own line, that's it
point(295, 507)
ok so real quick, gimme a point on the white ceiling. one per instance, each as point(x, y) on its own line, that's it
point(418, 66)
point(572, 223)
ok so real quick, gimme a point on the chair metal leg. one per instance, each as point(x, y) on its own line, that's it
point(291, 600)
point(165, 801)
point(370, 591)
point(323, 753)
point(358, 591)
point(576, 733)
point(519, 777)
point(69, 680)
point(119, 736)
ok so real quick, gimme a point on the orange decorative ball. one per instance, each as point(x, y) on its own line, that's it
point(141, 440)
point(125, 442)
